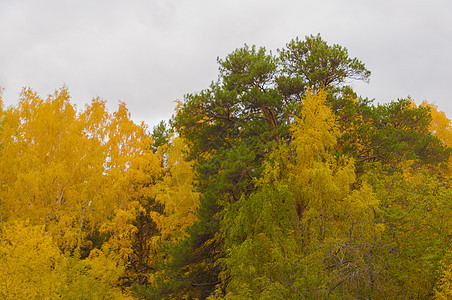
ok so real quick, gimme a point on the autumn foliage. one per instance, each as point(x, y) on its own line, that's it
point(276, 182)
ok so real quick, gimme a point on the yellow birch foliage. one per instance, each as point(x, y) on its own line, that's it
point(441, 127)
point(324, 182)
point(94, 277)
point(131, 168)
point(176, 192)
point(130, 161)
point(336, 218)
point(72, 173)
point(28, 259)
point(67, 170)
point(54, 166)
point(32, 267)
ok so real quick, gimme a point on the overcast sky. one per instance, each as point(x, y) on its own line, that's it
point(150, 53)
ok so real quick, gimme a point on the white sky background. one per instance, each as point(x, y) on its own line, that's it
point(150, 53)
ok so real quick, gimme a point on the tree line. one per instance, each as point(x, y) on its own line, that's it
point(276, 182)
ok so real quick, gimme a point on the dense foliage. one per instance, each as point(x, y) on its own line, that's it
point(276, 182)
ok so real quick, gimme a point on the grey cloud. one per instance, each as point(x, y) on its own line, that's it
point(150, 53)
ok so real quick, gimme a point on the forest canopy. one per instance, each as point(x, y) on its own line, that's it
point(277, 181)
